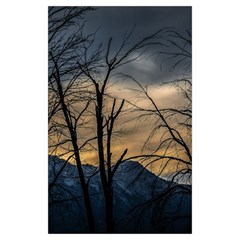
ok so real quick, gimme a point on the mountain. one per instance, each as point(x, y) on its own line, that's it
point(142, 201)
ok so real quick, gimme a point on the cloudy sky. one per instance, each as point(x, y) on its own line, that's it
point(115, 22)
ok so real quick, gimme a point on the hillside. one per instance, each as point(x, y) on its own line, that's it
point(143, 202)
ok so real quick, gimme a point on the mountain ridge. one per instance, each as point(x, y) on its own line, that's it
point(129, 192)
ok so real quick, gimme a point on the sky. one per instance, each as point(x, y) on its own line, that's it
point(115, 22)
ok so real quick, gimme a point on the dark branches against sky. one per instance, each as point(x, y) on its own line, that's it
point(107, 69)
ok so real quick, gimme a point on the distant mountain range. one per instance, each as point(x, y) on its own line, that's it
point(143, 202)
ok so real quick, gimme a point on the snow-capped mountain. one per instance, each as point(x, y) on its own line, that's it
point(142, 201)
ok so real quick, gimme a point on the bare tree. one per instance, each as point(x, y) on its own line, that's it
point(101, 76)
point(171, 126)
point(79, 75)
point(64, 74)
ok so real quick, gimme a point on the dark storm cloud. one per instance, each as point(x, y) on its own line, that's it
point(115, 22)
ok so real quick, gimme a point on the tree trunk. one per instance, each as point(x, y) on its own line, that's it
point(106, 184)
point(87, 200)
point(86, 196)
point(109, 209)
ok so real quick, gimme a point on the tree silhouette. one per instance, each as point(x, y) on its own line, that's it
point(63, 85)
point(105, 124)
point(171, 126)
point(80, 71)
